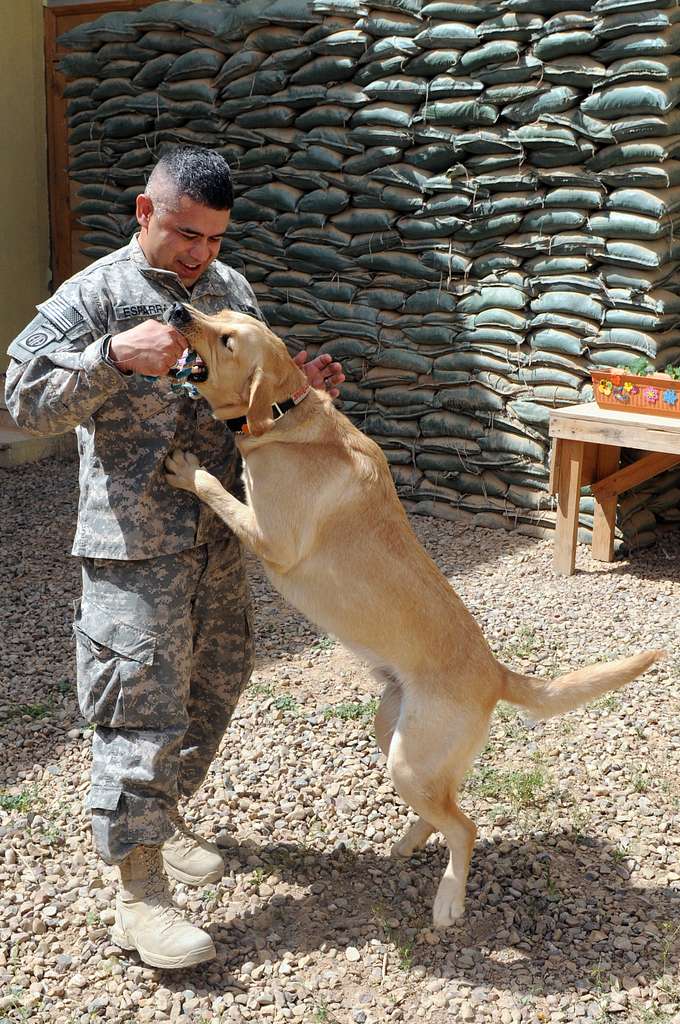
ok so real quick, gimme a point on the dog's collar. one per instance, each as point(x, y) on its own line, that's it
point(239, 425)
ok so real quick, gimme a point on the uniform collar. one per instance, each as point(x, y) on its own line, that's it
point(207, 284)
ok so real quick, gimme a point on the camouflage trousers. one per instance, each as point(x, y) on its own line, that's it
point(163, 648)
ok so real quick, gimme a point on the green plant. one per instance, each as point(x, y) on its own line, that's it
point(639, 367)
point(262, 689)
point(22, 801)
point(520, 787)
point(640, 782)
point(672, 371)
point(285, 703)
point(523, 644)
point(323, 643)
point(353, 711)
point(609, 702)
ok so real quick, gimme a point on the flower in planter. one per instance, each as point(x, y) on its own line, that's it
point(632, 389)
point(621, 395)
point(605, 387)
point(651, 395)
point(670, 396)
point(617, 379)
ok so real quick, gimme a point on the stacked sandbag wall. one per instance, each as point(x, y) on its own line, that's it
point(469, 203)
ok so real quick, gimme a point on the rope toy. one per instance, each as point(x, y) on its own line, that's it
point(188, 366)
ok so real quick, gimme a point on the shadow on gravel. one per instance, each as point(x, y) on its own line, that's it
point(574, 920)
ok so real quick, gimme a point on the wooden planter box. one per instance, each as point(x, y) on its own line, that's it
point(656, 393)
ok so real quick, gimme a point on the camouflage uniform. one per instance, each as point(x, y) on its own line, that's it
point(162, 631)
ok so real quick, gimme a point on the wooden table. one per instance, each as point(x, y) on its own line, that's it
point(587, 443)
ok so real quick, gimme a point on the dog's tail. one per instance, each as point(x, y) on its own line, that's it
point(544, 698)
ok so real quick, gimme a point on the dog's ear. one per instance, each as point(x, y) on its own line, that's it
point(259, 415)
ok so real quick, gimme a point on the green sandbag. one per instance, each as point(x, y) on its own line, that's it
point(382, 298)
point(378, 69)
point(330, 114)
point(324, 70)
point(452, 35)
point(443, 424)
point(580, 71)
point(432, 62)
point(641, 97)
point(620, 224)
point(317, 158)
point(383, 113)
point(494, 53)
point(360, 221)
point(627, 23)
point(522, 69)
point(115, 26)
point(653, 176)
point(80, 65)
point(244, 62)
point(371, 159)
point(126, 126)
point(382, 23)
point(462, 10)
point(565, 44)
point(198, 63)
point(661, 69)
point(345, 43)
point(644, 201)
point(552, 221)
point(458, 112)
point(552, 340)
point(166, 42)
point(397, 89)
point(271, 38)
point(643, 45)
point(555, 100)
point(336, 138)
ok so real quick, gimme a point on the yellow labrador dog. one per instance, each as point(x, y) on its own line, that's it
point(323, 516)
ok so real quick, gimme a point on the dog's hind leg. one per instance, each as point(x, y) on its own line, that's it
point(386, 718)
point(427, 777)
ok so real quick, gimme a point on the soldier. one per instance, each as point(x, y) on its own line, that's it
point(163, 638)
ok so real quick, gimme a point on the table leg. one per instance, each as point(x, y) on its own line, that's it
point(604, 520)
point(569, 487)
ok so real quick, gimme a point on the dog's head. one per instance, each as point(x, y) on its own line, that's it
point(246, 367)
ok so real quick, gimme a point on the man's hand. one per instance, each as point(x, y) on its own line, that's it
point(150, 348)
point(322, 372)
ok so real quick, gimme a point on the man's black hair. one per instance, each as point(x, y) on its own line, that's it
point(200, 174)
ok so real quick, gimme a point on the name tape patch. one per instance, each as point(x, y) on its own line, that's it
point(129, 312)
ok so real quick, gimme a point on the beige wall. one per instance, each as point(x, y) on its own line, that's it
point(24, 245)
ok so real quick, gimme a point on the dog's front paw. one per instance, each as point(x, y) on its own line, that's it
point(180, 470)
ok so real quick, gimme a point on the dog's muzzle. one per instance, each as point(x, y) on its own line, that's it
point(177, 316)
point(190, 368)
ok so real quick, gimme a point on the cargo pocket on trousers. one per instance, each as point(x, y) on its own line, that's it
point(112, 658)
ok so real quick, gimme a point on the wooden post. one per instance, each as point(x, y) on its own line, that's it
point(569, 488)
point(604, 521)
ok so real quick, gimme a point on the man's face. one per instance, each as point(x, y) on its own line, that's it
point(185, 239)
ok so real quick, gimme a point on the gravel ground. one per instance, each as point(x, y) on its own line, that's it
point(573, 907)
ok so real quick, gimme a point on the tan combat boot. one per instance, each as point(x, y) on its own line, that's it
point(147, 920)
point(188, 858)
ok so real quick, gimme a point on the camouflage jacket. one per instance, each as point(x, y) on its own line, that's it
point(59, 379)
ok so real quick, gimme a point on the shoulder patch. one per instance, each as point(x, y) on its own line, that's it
point(62, 315)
